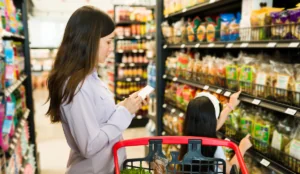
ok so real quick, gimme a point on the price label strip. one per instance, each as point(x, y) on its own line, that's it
point(211, 45)
point(290, 111)
point(175, 79)
point(206, 87)
point(265, 162)
point(197, 45)
point(293, 44)
point(244, 45)
point(229, 45)
point(256, 102)
point(227, 94)
point(219, 91)
point(271, 45)
point(182, 45)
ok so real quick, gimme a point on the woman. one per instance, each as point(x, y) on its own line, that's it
point(91, 121)
point(204, 118)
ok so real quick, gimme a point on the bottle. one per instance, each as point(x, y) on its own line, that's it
point(135, 59)
point(140, 58)
point(130, 58)
point(124, 58)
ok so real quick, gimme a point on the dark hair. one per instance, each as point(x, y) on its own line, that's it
point(77, 56)
point(200, 120)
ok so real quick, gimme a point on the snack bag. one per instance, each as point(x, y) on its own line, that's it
point(220, 65)
point(280, 29)
point(226, 19)
point(263, 81)
point(178, 29)
point(293, 148)
point(197, 69)
point(234, 28)
point(297, 85)
point(189, 70)
point(201, 32)
point(246, 122)
point(294, 15)
point(232, 76)
point(179, 97)
point(190, 31)
point(183, 60)
point(167, 31)
point(212, 29)
point(247, 74)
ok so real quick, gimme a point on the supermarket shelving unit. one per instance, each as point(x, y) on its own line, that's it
point(25, 79)
point(291, 47)
point(138, 121)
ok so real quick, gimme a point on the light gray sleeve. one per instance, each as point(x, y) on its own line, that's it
point(89, 135)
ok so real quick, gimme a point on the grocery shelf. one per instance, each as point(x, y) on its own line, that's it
point(18, 130)
point(128, 23)
point(13, 87)
point(237, 44)
point(137, 37)
point(131, 79)
point(152, 117)
point(209, 5)
point(272, 105)
point(261, 158)
point(136, 5)
point(8, 35)
point(139, 121)
point(131, 51)
point(131, 64)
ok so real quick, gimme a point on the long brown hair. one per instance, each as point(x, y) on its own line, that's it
point(76, 57)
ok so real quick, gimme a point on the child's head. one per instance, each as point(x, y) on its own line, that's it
point(201, 116)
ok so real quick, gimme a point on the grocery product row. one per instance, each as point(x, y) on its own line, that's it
point(136, 30)
point(135, 14)
point(136, 58)
point(134, 45)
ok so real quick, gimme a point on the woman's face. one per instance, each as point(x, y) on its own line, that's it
point(105, 47)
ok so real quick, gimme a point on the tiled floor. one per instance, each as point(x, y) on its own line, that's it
point(52, 146)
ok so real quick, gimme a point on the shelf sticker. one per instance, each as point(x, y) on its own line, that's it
point(212, 1)
point(141, 51)
point(121, 37)
point(265, 162)
point(132, 64)
point(182, 46)
point(184, 10)
point(197, 45)
point(163, 133)
point(122, 65)
point(229, 45)
point(256, 102)
point(181, 114)
point(128, 79)
point(138, 37)
point(164, 76)
point(290, 111)
point(206, 87)
point(173, 110)
point(271, 44)
point(164, 105)
point(175, 79)
point(227, 94)
point(293, 44)
point(134, 51)
point(148, 37)
point(139, 117)
point(165, 46)
point(219, 91)
point(120, 51)
point(211, 45)
point(137, 79)
point(244, 45)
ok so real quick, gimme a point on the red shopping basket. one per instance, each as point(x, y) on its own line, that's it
point(193, 154)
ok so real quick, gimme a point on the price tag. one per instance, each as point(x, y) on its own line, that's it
point(197, 45)
point(164, 76)
point(134, 51)
point(229, 45)
point(265, 162)
point(181, 114)
point(121, 37)
point(271, 45)
point(219, 91)
point(290, 111)
point(163, 133)
point(128, 79)
point(164, 105)
point(256, 102)
point(175, 79)
point(206, 87)
point(212, 1)
point(132, 64)
point(244, 45)
point(211, 45)
point(139, 117)
point(137, 79)
point(138, 37)
point(173, 110)
point(165, 46)
point(293, 44)
point(227, 94)
point(141, 51)
point(120, 51)
point(148, 37)
point(183, 10)
point(122, 65)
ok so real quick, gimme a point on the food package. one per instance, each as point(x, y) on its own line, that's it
point(247, 74)
point(167, 31)
point(208, 70)
point(178, 29)
point(212, 29)
point(226, 19)
point(159, 164)
point(294, 15)
point(297, 85)
point(234, 28)
point(179, 97)
point(197, 68)
point(282, 134)
point(284, 82)
point(171, 64)
point(280, 27)
point(201, 32)
point(293, 148)
point(188, 94)
point(232, 74)
point(247, 121)
point(220, 65)
point(263, 81)
point(182, 64)
point(190, 66)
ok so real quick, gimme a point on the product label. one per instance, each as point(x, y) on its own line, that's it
point(297, 87)
point(231, 72)
point(282, 81)
point(9, 72)
point(262, 133)
point(295, 149)
point(246, 125)
point(277, 140)
point(261, 78)
point(6, 126)
point(10, 109)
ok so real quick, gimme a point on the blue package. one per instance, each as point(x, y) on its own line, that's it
point(234, 28)
point(226, 19)
point(10, 109)
point(9, 53)
point(6, 126)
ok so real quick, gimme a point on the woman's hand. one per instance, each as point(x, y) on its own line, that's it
point(234, 101)
point(133, 103)
point(245, 144)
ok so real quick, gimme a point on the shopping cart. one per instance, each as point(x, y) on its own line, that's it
point(191, 160)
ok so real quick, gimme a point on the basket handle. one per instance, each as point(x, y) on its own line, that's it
point(178, 140)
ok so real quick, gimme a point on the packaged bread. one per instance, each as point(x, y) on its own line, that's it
point(232, 74)
point(167, 31)
point(226, 19)
point(197, 69)
point(263, 81)
point(189, 70)
point(294, 15)
point(178, 28)
point(221, 72)
point(297, 85)
point(247, 74)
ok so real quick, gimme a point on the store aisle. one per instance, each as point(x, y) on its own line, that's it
point(51, 144)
